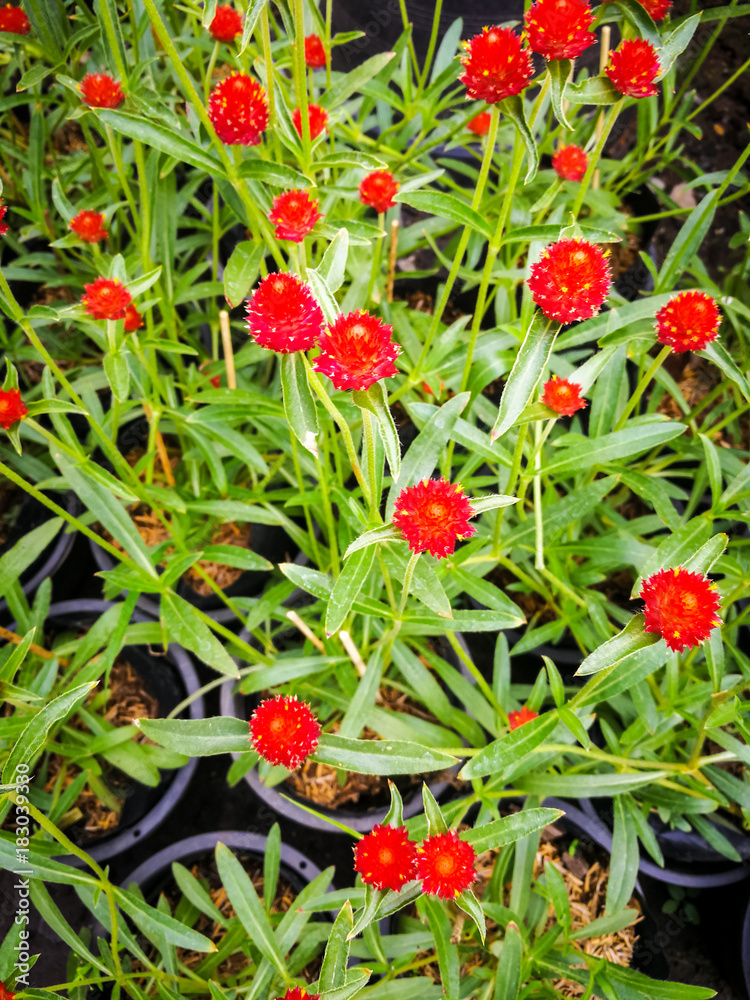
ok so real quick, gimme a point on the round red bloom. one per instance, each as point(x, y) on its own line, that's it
point(657, 9)
point(298, 993)
point(571, 281)
point(294, 213)
point(14, 20)
point(133, 319)
point(378, 190)
point(480, 124)
point(559, 29)
point(6, 994)
point(681, 606)
point(3, 225)
point(100, 90)
point(562, 396)
point(283, 315)
point(284, 731)
point(445, 863)
point(315, 54)
point(357, 351)
point(238, 110)
point(317, 116)
point(688, 322)
point(516, 719)
point(633, 67)
point(433, 515)
point(495, 65)
point(12, 408)
point(226, 25)
point(570, 162)
point(106, 298)
point(89, 226)
point(386, 858)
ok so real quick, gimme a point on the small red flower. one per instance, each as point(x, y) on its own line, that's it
point(688, 322)
point(386, 858)
point(283, 315)
point(559, 29)
point(562, 396)
point(106, 298)
point(100, 90)
point(357, 351)
point(12, 408)
point(89, 226)
point(296, 993)
point(633, 67)
point(495, 65)
point(317, 116)
point(238, 110)
point(480, 124)
point(657, 9)
point(571, 281)
point(133, 319)
point(3, 225)
point(6, 994)
point(294, 214)
point(445, 863)
point(433, 515)
point(516, 719)
point(315, 54)
point(570, 162)
point(378, 190)
point(284, 731)
point(216, 381)
point(14, 20)
point(681, 606)
point(226, 25)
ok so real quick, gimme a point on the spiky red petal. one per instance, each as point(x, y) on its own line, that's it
point(315, 54)
point(433, 515)
point(89, 226)
point(480, 124)
point(633, 67)
point(570, 281)
point(657, 9)
point(298, 993)
point(386, 858)
point(520, 718)
point(317, 116)
point(357, 351)
point(133, 319)
point(284, 731)
point(12, 408)
point(3, 225)
point(562, 396)
point(570, 162)
point(15, 21)
point(496, 65)
point(106, 298)
point(100, 90)
point(378, 190)
point(5, 994)
point(445, 863)
point(688, 322)
point(226, 24)
point(294, 214)
point(559, 29)
point(283, 316)
point(238, 110)
point(681, 606)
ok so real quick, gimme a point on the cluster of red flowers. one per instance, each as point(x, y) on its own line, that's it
point(378, 190)
point(108, 298)
point(433, 515)
point(560, 29)
point(688, 322)
point(14, 20)
point(570, 163)
point(496, 65)
point(238, 110)
point(317, 116)
point(633, 67)
point(315, 53)
point(562, 396)
point(294, 213)
point(100, 90)
point(681, 606)
point(12, 408)
point(226, 24)
point(89, 226)
point(571, 281)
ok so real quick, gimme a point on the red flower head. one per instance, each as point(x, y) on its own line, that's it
point(133, 319)
point(633, 67)
point(14, 20)
point(99, 90)
point(6, 994)
point(559, 29)
point(657, 9)
point(317, 116)
point(378, 190)
point(12, 408)
point(283, 315)
point(570, 162)
point(495, 65)
point(433, 515)
point(571, 281)
point(445, 863)
point(297, 993)
point(516, 719)
point(386, 858)
point(357, 351)
point(226, 25)
point(562, 396)
point(294, 213)
point(681, 606)
point(106, 298)
point(284, 731)
point(315, 54)
point(688, 322)
point(480, 124)
point(3, 225)
point(89, 226)
point(238, 110)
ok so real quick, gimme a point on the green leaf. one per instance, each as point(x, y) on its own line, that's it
point(356, 980)
point(299, 404)
point(380, 757)
point(531, 360)
point(496, 757)
point(584, 786)
point(183, 626)
point(445, 948)
point(162, 138)
point(676, 42)
point(632, 637)
point(35, 75)
point(558, 894)
point(41, 866)
point(20, 556)
point(640, 19)
point(446, 206)
point(585, 454)
point(385, 533)
point(235, 555)
point(690, 237)
point(199, 737)
point(482, 504)
point(717, 353)
point(624, 860)
point(509, 829)
point(332, 268)
point(656, 989)
point(551, 233)
point(274, 174)
point(513, 108)
point(360, 160)
point(508, 975)
point(347, 588)
point(675, 550)
point(560, 72)
point(253, 12)
point(606, 925)
point(354, 80)
point(241, 271)
point(375, 400)
point(158, 925)
point(596, 90)
point(336, 957)
point(118, 374)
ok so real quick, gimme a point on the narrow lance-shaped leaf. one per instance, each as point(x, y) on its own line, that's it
point(531, 360)
point(299, 404)
point(632, 637)
point(347, 588)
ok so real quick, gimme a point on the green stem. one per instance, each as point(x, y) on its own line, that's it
point(376, 258)
point(476, 674)
point(609, 122)
point(515, 470)
point(538, 510)
point(636, 397)
point(301, 83)
point(369, 439)
point(410, 567)
point(431, 46)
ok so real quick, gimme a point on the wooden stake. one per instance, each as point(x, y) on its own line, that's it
point(161, 448)
point(295, 619)
point(354, 654)
point(392, 260)
point(45, 653)
point(603, 60)
point(226, 340)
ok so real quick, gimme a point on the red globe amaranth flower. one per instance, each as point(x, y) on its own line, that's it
point(6, 994)
point(445, 863)
point(296, 993)
point(657, 9)
point(133, 319)
point(89, 226)
point(283, 315)
point(294, 214)
point(14, 20)
point(100, 90)
point(357, 351)
point(688, 322)
point(3, 225)
point(480, 124)
point(520, 718)
point(633, 67)
point(284, 731)
point(315, 54)
point(106, 298)
point(238, 110)
point(433, 515)
point(12, 408)
point(571, 281)
point(495, 65)
point(562, 396)
point(386, 858)
point(681, 606)
point(559, 29)
point(378, 190)
point(226, 25)
point(317, 116)
point(570, 162)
